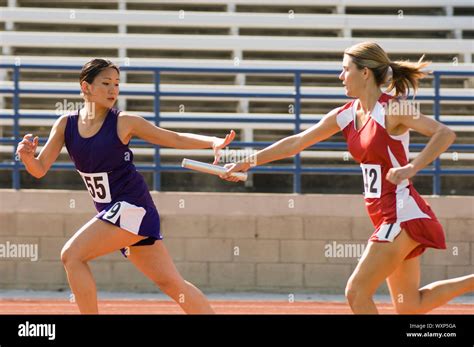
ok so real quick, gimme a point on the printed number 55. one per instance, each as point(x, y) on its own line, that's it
point(94, 185)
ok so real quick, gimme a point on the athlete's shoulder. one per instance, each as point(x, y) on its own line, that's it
point(344, 114)
point(61, 121)
point(345, 107)
point(125, 117)
point(128, 123)
point(124, 114)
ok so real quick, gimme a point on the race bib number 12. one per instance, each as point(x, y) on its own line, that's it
point(372, 180)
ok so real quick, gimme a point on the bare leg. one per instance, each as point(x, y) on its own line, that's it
point(409, 298)
point(376, 264)
point(87, 244)
point(155, 262)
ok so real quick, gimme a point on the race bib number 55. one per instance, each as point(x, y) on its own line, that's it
point(372, 180)
point(98, 186)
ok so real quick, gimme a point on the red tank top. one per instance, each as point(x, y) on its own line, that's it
point(377, 152)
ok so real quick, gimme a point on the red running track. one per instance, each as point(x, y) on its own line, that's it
point(46, 306)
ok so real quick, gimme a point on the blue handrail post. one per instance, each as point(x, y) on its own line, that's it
point(436, 112)
point(16, 125)
point(157, 158)
point(297, 174)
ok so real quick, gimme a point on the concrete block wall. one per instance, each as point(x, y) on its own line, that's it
point(225, 242)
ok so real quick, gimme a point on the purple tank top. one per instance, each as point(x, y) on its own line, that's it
point(106, 164)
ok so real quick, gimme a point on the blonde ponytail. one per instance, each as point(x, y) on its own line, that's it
point(406, 74)
point(399, 74)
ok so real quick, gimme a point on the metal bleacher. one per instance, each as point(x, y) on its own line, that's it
point(223, 61)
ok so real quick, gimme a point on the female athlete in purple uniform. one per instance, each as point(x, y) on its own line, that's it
point(97, 138)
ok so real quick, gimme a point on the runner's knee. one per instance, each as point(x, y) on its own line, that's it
point(356, 291)
point(169, 283)
point(69, 254)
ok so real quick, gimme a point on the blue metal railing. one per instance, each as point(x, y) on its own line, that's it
point(297, 170)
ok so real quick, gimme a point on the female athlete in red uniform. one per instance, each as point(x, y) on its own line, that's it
point(378, 139)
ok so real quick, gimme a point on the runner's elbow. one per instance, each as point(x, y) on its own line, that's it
point(449, 134)
point(38, 174)
point(297, 145)
point(38, 171)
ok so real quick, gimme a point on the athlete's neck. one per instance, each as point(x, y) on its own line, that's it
point(91, 112)
point(369, 98)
